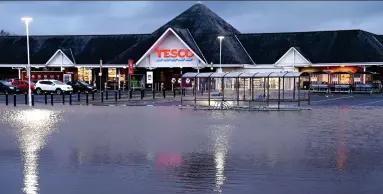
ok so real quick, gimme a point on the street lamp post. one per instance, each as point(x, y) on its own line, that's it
point(220, 52)
point(26, 20)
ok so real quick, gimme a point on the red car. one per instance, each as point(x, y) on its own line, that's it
point(23, 85)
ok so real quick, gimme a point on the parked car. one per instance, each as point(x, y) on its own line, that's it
point(51, 85)
point(6, 87)
point(80, 86)
point(23, 85)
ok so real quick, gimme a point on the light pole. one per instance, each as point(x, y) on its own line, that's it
point(26, 20)
point(220, 52)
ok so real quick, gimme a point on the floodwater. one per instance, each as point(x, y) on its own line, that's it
point(163, 150)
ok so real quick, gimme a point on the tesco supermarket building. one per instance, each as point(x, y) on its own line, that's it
point(188, 43)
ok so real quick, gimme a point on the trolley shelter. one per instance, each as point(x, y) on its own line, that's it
point(237, 89)
point(345, 82)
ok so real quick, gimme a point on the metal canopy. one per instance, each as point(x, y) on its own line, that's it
point(245, 75)
point(204, 75)
point(262, 75)
point(218, 75)
point(276, 74)
point(189, 75)
point(233, 75)
point(294, 74)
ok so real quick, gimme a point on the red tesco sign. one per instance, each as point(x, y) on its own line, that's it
point(174, 53)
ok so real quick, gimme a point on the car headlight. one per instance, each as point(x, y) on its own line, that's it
point(90, 87)
point(11, 88)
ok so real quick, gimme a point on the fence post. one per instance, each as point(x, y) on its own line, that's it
point(142, 94)
point(106, 94)
point(115, 95)
point(70, 98)
point(119, 94)
point(63, 96)
point(87, 98)
point(51, 99)
point(46, 98)
point(78, 96)
point(26, 98)
point(154, 94)
point(33, 100)
point(163, 92)
point(102, 96)
point(14, 99)
point(92, 96)
point(6, 99)
point(130, 94)
point(174, 92)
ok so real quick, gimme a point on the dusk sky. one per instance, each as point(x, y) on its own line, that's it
point(125, 17)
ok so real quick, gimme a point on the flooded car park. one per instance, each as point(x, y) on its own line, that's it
point(78, 149)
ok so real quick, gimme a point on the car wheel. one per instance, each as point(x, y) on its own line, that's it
point(59, 91)
point(39, 91)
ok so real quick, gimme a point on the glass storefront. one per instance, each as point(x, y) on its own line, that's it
point(84, 74)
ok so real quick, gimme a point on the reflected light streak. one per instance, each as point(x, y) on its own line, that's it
point(33, 126)
point(221, 135)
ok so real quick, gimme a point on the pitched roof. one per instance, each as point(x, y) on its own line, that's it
point(199, 19)
point(199, 28)
point(380, 38)
point(318, 47)
point(86, 49)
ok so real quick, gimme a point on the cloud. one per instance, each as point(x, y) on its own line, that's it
point(122, 17)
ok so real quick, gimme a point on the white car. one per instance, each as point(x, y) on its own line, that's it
point(51, 85)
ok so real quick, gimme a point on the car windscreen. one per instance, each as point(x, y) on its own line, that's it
point(5, 83)
point(58, 83)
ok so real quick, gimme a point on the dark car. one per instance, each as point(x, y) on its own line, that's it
point(80, 86)
point(6, 87)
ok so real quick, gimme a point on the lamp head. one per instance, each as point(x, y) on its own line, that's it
point(26, 19)
point(220, 37)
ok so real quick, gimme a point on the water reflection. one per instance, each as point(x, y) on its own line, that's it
point(220, 135)
point(33, 127)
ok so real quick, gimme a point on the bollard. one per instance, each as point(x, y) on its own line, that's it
point(51, 99)
point(142, 94)
point(184, 91)
point(46, 98)
point(102, 96)
point(106, 95)
point(163, 92)
point(154, 94)
point(6, 99)
point(92, 96)
point(26, 98)
point(130, 94)
point(115, 95)
point(63, 96)
point(14, 99)
point(33, 100)
point(70, 98)
point(78, 96)
point(174, 92)
point(119, 94)
point(87, 98)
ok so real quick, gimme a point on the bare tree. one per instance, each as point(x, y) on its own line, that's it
point(4, 33)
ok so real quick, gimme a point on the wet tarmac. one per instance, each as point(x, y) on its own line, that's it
point(98, 150)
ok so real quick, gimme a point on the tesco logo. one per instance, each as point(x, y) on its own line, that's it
point(174, 55)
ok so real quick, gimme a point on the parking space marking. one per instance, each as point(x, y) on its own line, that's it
point(369, 103)
point(332, 99)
